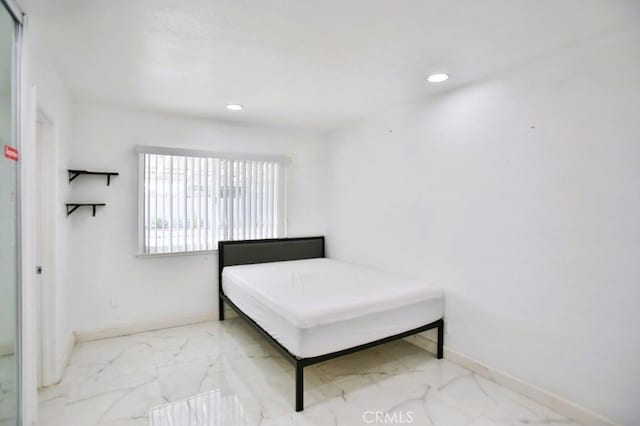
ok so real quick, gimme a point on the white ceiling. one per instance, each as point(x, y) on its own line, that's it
point(301, 62)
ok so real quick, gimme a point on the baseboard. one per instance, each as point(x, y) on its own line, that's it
point(229, 312)
point(560, 405)
point(62, 365)
point(66, 357)
point(423, 342)
point(7, 348)
point(90, 335)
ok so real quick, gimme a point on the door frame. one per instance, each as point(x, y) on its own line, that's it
point(45, 287)
point(14, 10)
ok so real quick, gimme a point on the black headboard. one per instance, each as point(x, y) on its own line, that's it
point(246, 252)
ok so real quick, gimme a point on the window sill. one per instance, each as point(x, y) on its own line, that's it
point(178, 253)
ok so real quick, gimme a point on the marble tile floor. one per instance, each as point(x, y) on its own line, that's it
point(226, 374)
point(8, 399)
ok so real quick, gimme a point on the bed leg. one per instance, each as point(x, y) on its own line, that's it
point(299, 387)
point(440, 353)
point(220, 309)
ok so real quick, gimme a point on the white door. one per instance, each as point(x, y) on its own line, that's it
point(45, 278)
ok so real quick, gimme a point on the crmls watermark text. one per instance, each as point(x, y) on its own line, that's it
point(382, 417)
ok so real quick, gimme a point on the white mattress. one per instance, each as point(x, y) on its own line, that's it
point(317, 306)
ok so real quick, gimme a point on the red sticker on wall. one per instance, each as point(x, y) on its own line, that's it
point(11, 153)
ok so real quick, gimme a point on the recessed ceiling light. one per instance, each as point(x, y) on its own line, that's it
point(437, 78)
point(235, 107)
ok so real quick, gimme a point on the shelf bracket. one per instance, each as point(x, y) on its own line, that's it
point(72, 207)
point(73, 173)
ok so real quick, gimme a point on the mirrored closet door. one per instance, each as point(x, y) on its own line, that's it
point(9, 234)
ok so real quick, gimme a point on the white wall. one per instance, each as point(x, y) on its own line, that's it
point(519, 195)
point(111, 287)
point(42, 80)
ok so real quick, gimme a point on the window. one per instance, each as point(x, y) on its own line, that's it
point(190, 200)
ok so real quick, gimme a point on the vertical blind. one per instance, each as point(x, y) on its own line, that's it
point(190, 203)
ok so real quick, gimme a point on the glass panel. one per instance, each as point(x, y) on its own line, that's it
point(8, 228)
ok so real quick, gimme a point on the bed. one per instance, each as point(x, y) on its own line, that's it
point(313, 309)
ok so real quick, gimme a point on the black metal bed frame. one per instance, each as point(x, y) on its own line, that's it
point(245, 252)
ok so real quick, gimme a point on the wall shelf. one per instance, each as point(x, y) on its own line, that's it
point(73, 173)
point(72, 207)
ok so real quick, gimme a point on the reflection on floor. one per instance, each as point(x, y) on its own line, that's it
point(225, 374)
point(8, 403)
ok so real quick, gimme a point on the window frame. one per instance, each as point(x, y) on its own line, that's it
point(223, 155)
